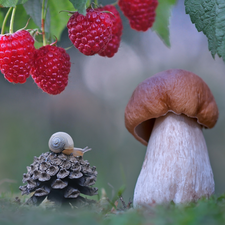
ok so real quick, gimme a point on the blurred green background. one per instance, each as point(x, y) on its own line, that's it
point(91, 109)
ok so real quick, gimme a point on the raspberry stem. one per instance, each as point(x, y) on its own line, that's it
point(5, 19)
point(43, 15)
point(54, 43)
point(12, 20)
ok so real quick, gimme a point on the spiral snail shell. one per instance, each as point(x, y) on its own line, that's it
point(60, 141)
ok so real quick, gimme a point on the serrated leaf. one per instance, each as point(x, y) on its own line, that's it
point(161, 24)
point(80, 5)
point(56, 21)
point(209, 17)
point(11, 3)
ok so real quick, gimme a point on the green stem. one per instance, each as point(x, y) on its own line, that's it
point(12, 20)
point(5, 19)
point(96, 2)
point(43, 14)
point(115, 3)
point(88, 3)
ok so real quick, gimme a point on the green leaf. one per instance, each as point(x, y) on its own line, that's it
point(33, 8)
point(80, 5)
point(11, 3)
point(21, 19)
point(59, 19)
point(121, 190)
point(209, 17)
point(56, 21)
point(161, 24)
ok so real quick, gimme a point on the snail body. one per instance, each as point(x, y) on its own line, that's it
point(63, 142)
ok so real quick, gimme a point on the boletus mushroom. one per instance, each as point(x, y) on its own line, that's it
point(167, 112)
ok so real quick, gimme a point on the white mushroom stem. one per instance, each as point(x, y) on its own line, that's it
point(176, 166)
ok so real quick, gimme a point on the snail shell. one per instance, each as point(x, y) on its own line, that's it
point(60, 141)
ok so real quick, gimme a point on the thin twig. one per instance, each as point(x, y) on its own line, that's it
point(123, 202)
point(43, 14)
point(12, 20)
point(5, 19)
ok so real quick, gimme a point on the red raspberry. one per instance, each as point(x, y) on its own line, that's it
point(113, 45)
point(51, 69)
point(16, 55)
point(141, 13)
point(90, 33)
point(115, 17)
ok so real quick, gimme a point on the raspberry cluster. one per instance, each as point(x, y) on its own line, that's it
point(49, 65)
point(140, 13)
point(51, 69)
point(16, 56)
point(99, 32)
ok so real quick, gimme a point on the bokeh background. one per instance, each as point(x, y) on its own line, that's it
point(91, 109)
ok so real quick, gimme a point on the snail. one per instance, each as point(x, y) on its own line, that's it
point(62, 142)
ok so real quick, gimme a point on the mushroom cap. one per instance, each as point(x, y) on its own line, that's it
point(175, 90)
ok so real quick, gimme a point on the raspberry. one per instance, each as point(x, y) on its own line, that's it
point(115, 17)
point(91, 33)
point(113, 45)
point(141, 13)
point(16, 55)
point(51, 69)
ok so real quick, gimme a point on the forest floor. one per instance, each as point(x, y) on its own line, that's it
point(14, 211)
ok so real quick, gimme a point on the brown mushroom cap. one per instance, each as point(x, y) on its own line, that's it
point(175, 90)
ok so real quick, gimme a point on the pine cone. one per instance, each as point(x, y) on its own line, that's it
point(59, 177)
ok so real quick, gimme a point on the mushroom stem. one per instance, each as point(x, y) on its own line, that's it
point(176, 166)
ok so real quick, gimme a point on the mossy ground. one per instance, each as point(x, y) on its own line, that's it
point(205, 211)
